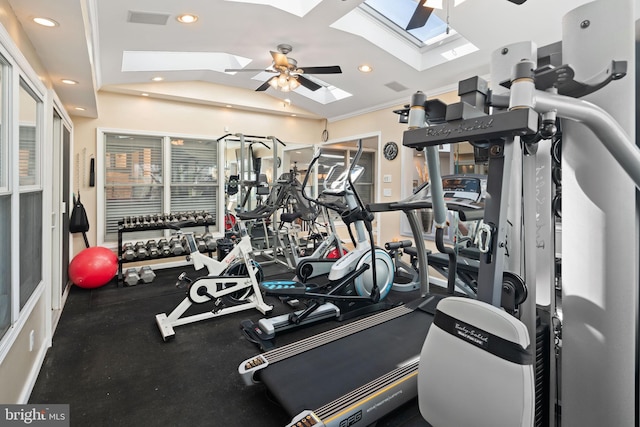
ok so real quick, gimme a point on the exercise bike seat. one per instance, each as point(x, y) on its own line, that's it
point(476, 368)
point(290, 216)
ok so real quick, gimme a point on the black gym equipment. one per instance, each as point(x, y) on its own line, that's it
point(355, 285)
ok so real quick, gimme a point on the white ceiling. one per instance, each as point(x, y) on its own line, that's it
point(88, 46)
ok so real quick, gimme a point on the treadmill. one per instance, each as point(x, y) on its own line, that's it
point(359, 372)
point(363, 370)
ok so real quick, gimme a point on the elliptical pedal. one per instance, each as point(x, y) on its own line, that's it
point(283, 287)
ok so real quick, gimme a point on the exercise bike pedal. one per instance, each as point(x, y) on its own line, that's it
point(283, 287)
point(183, 281)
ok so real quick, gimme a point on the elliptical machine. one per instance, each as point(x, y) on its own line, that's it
point(354, 285)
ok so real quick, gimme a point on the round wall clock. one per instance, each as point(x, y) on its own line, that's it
point(390, 150)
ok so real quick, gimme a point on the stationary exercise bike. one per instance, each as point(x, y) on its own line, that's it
point(354, 285)
point(231, 285)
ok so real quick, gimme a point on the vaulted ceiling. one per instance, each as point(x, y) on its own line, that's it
point(120, 45)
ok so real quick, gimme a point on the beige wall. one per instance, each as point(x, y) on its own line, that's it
point(137, 113)
point(20, 365)
point(13, 27)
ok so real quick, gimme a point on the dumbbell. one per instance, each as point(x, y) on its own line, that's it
point(209, 242)
point(131, 277)
point(175, 243)
point(152, 249)
point(200, 217)
point(146, 274)
point(163, 247)
point(128, 253)
point(208, 218)
point(141, 250)
point(202, 247)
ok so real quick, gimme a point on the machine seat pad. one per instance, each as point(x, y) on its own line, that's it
point(477, 354)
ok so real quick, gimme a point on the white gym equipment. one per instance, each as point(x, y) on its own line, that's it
point(231, 285)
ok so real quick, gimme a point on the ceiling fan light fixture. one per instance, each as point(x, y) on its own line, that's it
point(293, 83)
point(284, 82)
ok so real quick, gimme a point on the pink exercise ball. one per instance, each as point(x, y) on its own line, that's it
point(93, 267)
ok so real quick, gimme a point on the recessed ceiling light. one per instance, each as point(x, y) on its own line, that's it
point(365, 68)
point(228, 106)
point(293, 115)
point(79, 108)
point(157, 79)
point(144, 94)
point(45, 22)
point(187, 18)
point(69, 82)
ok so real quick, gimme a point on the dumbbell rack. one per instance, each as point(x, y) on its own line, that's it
point(148, 227)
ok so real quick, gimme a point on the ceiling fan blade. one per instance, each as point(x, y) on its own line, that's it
point(264, 86)
point(308, 83)
point(253, 70)
point(280, 59)
point(420, 16)
point(334, 69)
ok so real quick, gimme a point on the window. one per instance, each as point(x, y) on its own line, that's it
point(5, 209)
point(384, 23)
point(152, 175)
point(194, 175)
point(5, 263)
point(133, 179)
point(398, 13)
point(30, 193)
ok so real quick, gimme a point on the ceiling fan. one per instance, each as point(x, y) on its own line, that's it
point(289, 75)
point(423, 12)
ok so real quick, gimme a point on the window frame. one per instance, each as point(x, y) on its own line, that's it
point(17, 70)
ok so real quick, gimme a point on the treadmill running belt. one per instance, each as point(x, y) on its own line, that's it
point(325, 373)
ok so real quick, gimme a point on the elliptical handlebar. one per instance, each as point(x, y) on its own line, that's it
point(333, 206)
point(361, 205)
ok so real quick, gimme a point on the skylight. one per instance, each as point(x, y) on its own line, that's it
point(383, 23)
point(399, 12)
point(298, 8)
point(180, 61)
